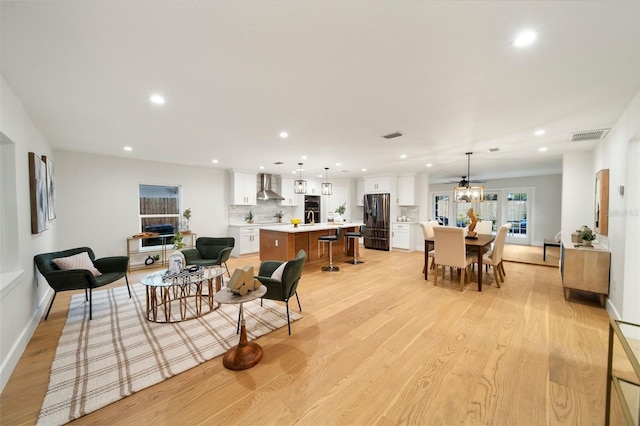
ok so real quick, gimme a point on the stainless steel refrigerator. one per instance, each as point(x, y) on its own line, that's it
point(377, 210)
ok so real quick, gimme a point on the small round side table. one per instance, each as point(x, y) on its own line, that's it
point(245, 354)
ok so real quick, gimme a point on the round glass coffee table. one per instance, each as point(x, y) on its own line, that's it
point(245, 354)
point(192, 294)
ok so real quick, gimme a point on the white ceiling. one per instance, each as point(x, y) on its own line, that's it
point(336, 75)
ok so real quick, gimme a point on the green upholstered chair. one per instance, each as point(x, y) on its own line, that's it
point(210, 251)
point(284, 283)
point(111, 269)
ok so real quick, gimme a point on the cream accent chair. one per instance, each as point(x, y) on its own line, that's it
point(484, 227)
point(494, 257)
point(427, 232)
point(451, 252)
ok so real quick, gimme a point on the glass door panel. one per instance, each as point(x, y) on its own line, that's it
point(442, 208)
point(516, 211)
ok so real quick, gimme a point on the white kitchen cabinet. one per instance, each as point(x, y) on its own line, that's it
point(403, 236)
point(290, 198)
point(360, 193)
point(375, 185)
point(313, 187)
point(406, 191)
point(247, 240)
point(244, 188)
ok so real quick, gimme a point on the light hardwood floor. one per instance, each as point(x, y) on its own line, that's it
point(379, 345)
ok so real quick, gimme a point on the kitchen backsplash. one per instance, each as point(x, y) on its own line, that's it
point(411, 212)
point(263, 212)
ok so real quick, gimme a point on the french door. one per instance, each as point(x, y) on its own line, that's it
point(511, 205)
point(516, 211)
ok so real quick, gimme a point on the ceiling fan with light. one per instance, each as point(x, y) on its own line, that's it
point(465, 192)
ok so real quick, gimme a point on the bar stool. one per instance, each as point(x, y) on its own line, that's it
point(329, 239)
point(355, 235)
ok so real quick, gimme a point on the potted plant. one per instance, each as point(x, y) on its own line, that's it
point(337, 217)
point(249, 217)
point(279, 215)
point(177, 241)
point(587, 236)
point(187, 217)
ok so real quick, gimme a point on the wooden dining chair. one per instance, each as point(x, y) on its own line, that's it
point(451, 252)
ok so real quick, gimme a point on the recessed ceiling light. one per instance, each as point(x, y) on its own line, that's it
point(304, 157)
point(128, 148)
point(543, 149)
point(157, 99)
point(539, 132)
point(429, 164)
point(525, 38)
point(403, 156)
point(338, 164)
point(284, 135)
point(261, 167)
point(364, 170)
point(214, 161)
point(320, 175)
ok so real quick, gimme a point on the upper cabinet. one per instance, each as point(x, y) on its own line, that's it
point(244, 188)
point(374, 185)
point(290, 198)
point(359, 193)
point(313, 187)
point(406, 190)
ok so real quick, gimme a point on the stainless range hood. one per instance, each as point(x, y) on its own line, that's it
point(265, 192)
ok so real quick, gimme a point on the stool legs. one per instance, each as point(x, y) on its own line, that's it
point(356, 248)
point(330, 268)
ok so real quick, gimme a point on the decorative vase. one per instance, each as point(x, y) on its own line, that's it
point(295, 225)
point(280, 220)
point(587, 243)
point(250, 221)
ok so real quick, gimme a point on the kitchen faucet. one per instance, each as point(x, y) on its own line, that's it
point(311, 216)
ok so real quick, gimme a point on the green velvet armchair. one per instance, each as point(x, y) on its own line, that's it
point(210, 251)
point(283, 288)
point(111, 269)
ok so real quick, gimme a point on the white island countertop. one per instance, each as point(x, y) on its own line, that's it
point(307, 227)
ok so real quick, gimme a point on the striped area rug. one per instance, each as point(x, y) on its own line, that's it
point(119, 352)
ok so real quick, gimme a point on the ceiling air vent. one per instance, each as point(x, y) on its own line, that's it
point(588, 135)
point(494, 149)
point(393, 135)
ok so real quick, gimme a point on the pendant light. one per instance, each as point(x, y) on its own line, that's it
point(464, 192)
point(300, 185)
point(326, 186)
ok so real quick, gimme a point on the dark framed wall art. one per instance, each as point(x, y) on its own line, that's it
point(38, 193)
point(601, 211)
point(51, 189)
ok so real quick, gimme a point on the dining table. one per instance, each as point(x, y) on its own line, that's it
point(477, 243)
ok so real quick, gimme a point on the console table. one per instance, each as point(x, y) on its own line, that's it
point(585, 268)
point(548, 243)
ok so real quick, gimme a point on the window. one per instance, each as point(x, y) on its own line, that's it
point(159, 211)
point(441, 209)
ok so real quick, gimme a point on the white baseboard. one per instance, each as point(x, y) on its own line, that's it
point(18, 347)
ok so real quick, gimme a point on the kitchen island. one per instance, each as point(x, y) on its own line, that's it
point(284, 242)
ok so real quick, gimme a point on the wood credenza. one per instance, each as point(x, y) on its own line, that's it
point(586, 269)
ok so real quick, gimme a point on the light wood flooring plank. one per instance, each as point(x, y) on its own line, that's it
point(378, 344)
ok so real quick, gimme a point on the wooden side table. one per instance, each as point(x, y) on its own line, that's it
point(245, 354)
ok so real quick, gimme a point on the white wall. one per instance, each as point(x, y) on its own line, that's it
point(620, 154)
point(578, 183)
point(98, 199)
point(21, 299)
